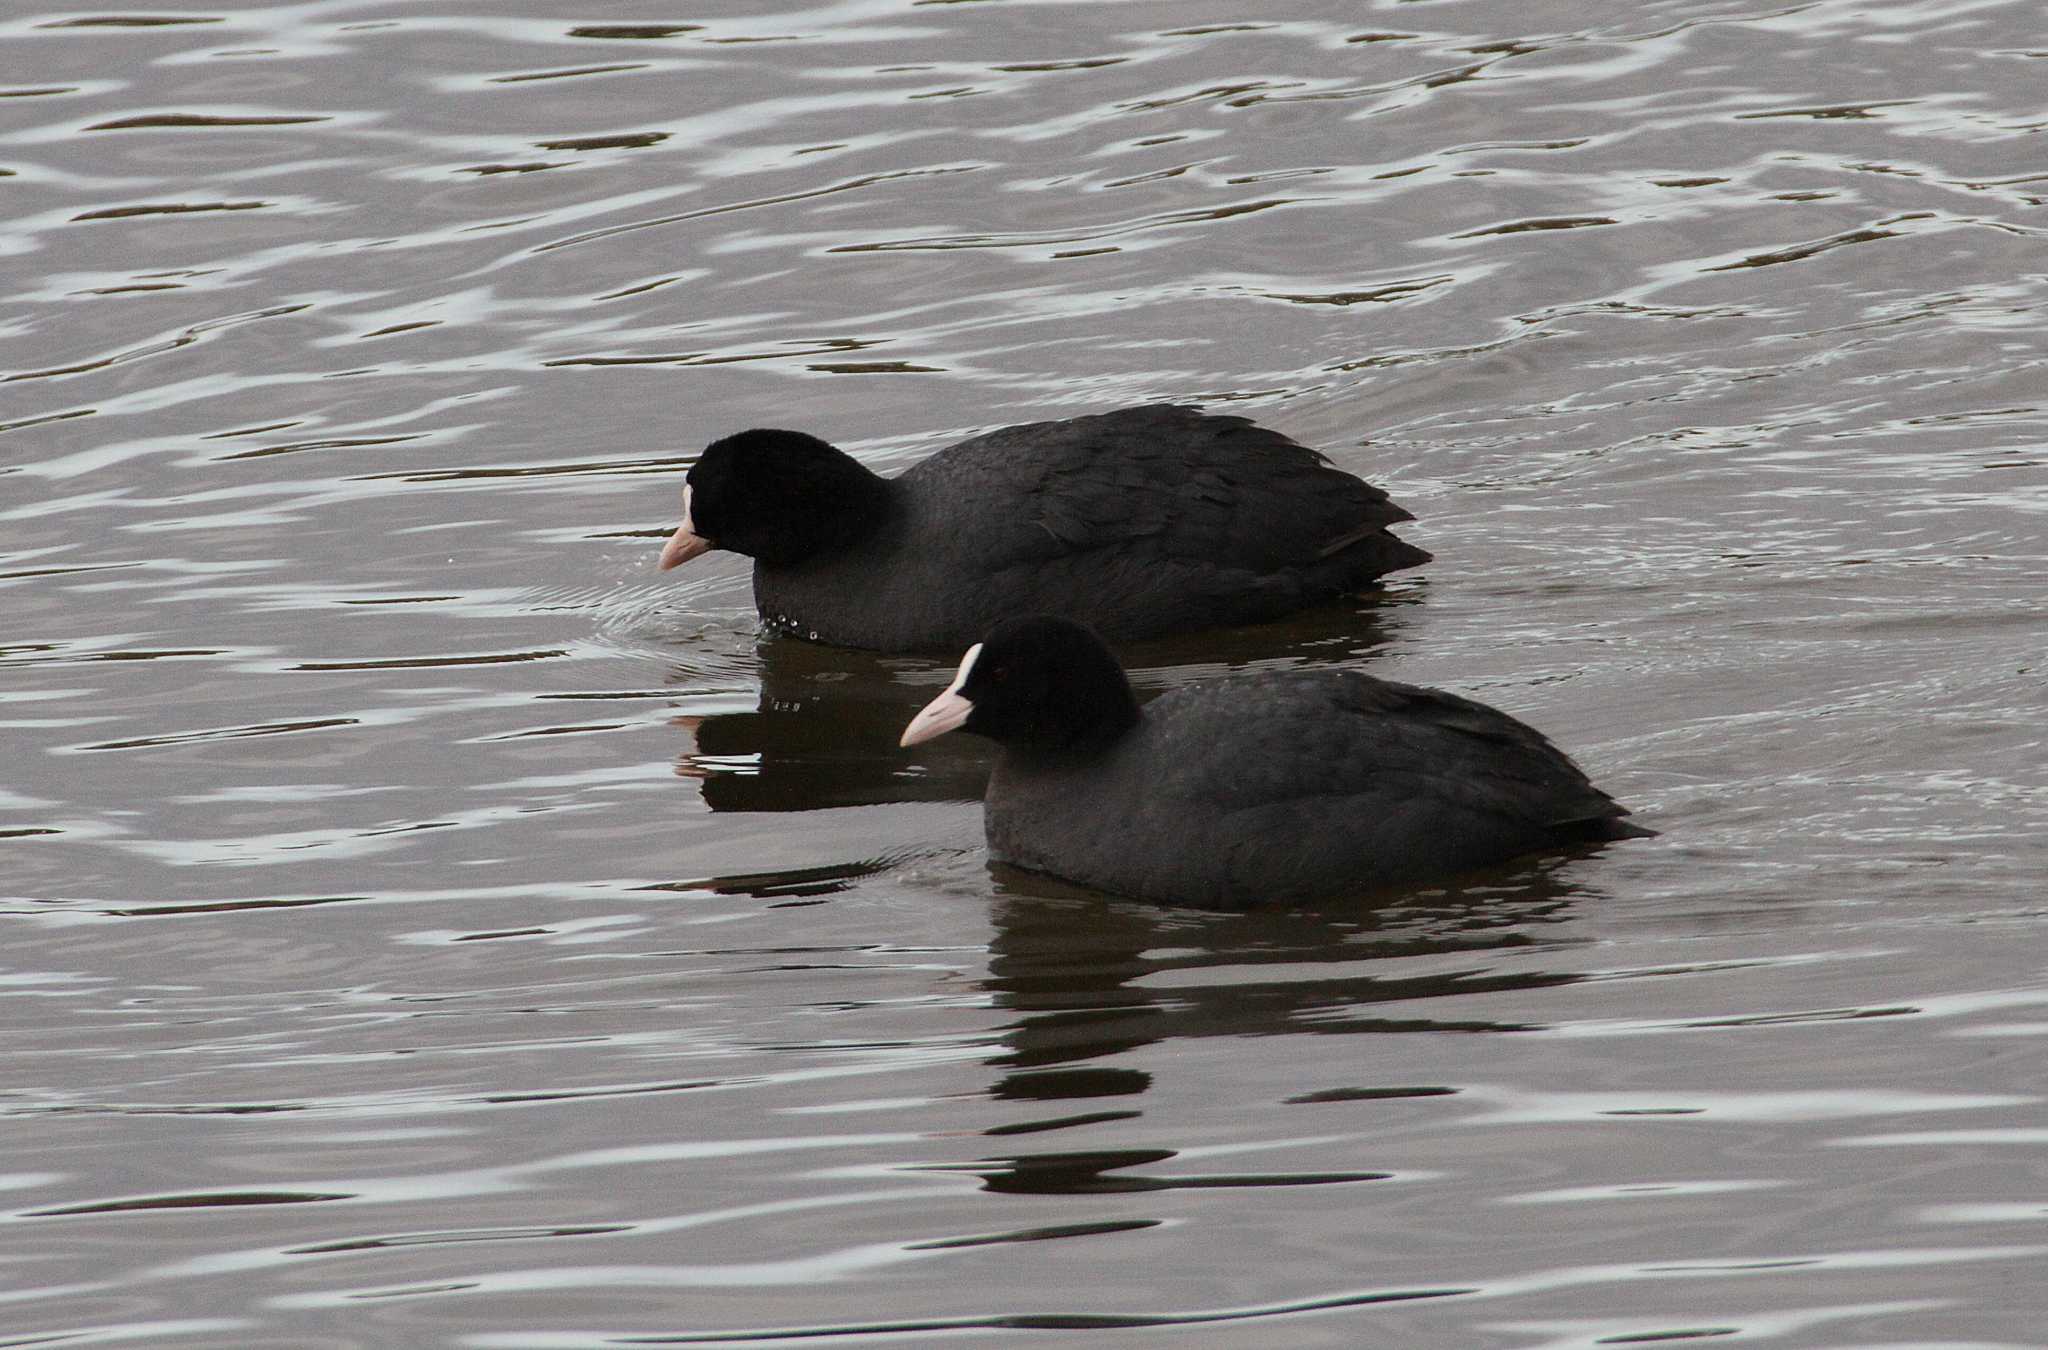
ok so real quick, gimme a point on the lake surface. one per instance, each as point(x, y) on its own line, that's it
point(426, 925)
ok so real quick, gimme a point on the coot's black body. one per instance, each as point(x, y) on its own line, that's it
point(1140, 522)
point(1277, 787)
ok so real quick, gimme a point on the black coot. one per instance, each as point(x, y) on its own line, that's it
point(1140, 522)
point(1287, 786)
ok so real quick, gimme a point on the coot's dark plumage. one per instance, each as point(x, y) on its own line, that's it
point(1283, 786)
point(1140, 522)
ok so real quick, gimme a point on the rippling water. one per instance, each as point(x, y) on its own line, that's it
point(429, 926)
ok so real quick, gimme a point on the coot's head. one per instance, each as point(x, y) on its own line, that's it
point(1042, 682)
point(777, 496)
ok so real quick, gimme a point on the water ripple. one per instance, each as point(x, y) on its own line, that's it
point(422, 907)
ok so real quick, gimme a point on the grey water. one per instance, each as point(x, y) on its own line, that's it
point(426, 925)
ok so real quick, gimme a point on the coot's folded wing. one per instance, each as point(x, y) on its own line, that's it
point(1172, 484)
point(1313, 780)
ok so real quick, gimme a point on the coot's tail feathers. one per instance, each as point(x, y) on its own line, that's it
point(1409, 555)
point(1601, 827)
point(1371, 529)
point(1313, 495)
point(1360, 567)
point(1494, 764)
point(1367, 553)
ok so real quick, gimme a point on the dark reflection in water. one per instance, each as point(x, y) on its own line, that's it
point(1079, 969)
point(1342, 634)
point(825, 730)
point(781, 884)
point(1090, 1172)
point(824, 735)
point(1062, 1321)
point(1076, 967)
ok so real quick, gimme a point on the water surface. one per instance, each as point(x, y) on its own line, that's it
point(430, 926)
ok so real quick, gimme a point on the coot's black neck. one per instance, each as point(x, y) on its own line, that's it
point(1093, 716)
point(864, 501)
point(1112, 721)
point(842, 503)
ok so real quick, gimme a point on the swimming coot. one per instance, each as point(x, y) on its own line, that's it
point(1140, 522)
point(1283, 786)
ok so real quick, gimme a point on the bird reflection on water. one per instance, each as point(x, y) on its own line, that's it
point(1094, 979)
point(823, 734)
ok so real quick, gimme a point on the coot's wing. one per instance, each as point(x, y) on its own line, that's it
point(1311, 781)
point(1169, 484)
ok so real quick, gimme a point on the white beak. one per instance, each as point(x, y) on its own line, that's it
point(946, 712)
point(685, 543)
